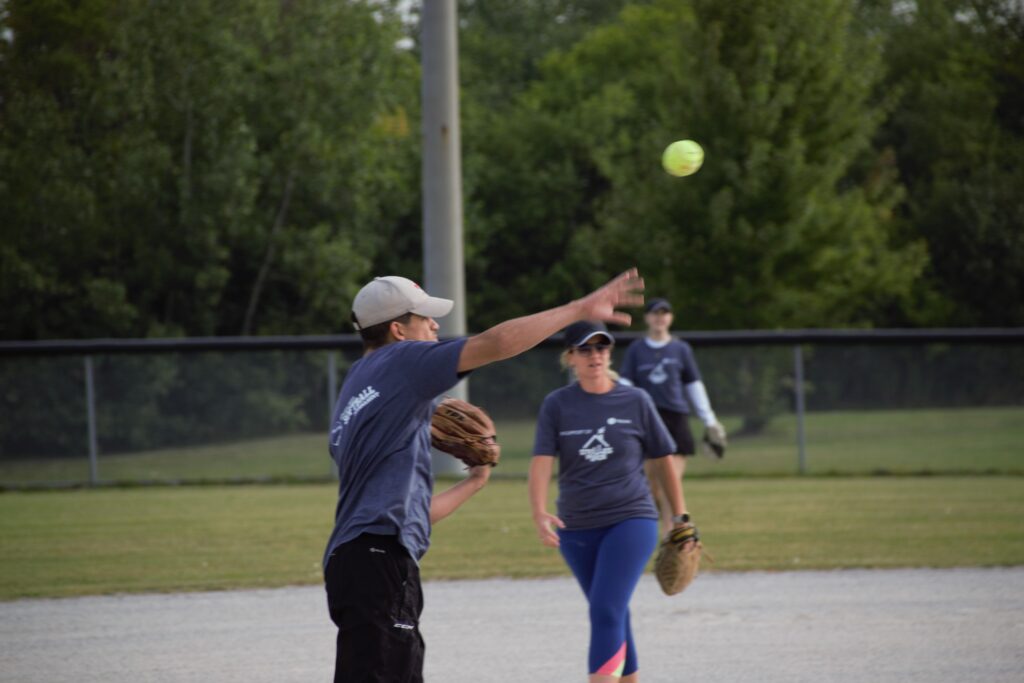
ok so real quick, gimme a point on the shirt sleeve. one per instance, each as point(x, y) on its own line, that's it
point(546, 440)
point(657, 440)
point(698, 397)
point(432, 367)
point(689, 371)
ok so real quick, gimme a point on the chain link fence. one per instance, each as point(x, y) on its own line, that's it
point(257, 409)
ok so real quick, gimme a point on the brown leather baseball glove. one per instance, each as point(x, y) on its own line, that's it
point(678, 559)
point(466, 432)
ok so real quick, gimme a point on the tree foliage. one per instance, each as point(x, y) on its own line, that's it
point(178, 168)
point(788, 224)
point(956, 68)
point(215, 168)
point(175, 168)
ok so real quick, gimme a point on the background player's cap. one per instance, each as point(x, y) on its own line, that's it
point(658, 304)
point(580, 333)
point(392, 296)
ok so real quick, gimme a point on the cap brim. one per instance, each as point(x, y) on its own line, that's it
point(434, 307)
point(595, 333)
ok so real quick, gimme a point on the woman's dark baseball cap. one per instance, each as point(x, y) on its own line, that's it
point(580, 333)
point(658, 304)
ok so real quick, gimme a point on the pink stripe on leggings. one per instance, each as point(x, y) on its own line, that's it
point(614, 666)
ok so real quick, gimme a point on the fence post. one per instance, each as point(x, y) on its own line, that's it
point(332, 385)
point(90, 407)
point(798, 367)
point(332, 395)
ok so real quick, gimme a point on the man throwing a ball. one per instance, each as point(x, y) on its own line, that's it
point(380, 441)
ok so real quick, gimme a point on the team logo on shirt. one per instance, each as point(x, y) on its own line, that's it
point(596, 448)
point(658, 374)
point(354, 405)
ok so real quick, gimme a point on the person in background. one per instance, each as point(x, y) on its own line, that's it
point(666, 368)
point(602, 433)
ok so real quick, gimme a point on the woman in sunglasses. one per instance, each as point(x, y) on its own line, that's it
point(607, 525)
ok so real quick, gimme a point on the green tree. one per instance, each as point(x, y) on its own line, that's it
point(50, 227)
point(789, 223)
point(172, 168)
point(502, 46)
point(503, 42)
point(957, 131)
point(332, 109)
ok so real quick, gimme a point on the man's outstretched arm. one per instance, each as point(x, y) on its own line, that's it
point(512, 337)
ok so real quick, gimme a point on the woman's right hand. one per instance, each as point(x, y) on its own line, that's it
point(545, 524)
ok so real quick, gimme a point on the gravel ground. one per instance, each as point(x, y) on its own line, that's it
point(858, 626)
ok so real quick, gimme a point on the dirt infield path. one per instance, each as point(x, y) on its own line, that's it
point(843, 626)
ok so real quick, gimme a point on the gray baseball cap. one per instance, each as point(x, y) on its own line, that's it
point(581, 332)
point(392, 296)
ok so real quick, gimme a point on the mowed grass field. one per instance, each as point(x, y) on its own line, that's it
point(975, 440)
point(123, 540)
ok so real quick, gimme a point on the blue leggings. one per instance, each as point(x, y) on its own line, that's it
point(608, 563)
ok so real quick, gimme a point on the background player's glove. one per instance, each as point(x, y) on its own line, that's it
point(465, 431)
point(715, 439)
point(678, 559)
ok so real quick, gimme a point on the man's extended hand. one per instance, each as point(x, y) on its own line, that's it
point(624, 290)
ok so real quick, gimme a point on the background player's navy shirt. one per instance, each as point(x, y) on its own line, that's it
point(600, 441)
point(380, 440)
point(662, 372)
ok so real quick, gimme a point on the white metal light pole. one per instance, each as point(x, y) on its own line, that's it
point(443, 269)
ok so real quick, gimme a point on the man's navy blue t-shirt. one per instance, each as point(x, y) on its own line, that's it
point(601, 441)
point(380, 441)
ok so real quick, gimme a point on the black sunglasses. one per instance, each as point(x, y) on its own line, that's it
point(588, 349)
